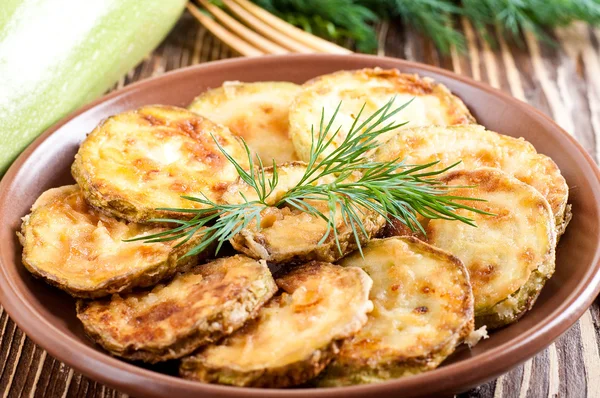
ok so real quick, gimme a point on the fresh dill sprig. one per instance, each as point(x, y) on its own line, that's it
point(355, 19)
point(354, 187)
point(334, 20)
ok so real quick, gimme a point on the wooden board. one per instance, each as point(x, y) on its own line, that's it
point(562, 81)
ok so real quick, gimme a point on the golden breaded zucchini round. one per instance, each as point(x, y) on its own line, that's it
point(290, 235)
point(257, 112)
point(81, 251)
point(372, 88)
point(174, 319)
point(474, 147)
point(509, 255)
point(294, 336)
point(138, 161)
point(423, 309)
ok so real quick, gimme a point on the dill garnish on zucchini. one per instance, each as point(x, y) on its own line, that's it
point(391, 189)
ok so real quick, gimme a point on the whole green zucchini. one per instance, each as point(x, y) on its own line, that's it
point(56, 55)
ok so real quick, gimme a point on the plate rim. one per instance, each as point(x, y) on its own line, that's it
point(129, 377)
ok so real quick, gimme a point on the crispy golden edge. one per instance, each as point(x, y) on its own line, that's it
point(175, 262)
point(505, 313)
point(204, 332)
point(343, 374)
point(563, 222)
point(563, 215)
point(195, 368)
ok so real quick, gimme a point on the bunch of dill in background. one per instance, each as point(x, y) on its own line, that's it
point(355, 19)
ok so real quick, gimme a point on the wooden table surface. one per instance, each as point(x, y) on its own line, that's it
point(563, 81)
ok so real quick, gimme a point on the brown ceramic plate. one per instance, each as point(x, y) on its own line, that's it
point(48, 315)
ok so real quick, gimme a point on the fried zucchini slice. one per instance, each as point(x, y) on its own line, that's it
point(257, 112)
point(174, 319)
point(139, 161)
point(81, 251)
point(509, 255)
point(290, 235)
point(475, 147)
point(294, 336)
point(433, 103)
point(423, 309)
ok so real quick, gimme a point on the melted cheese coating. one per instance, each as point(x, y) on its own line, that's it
point(82, 250)
point(422, 301)
point(475, 147)
point(321, 303)
point(211, 300)
point(257, 112)
point(138, 161)
point(505, 248)
point(432, 103)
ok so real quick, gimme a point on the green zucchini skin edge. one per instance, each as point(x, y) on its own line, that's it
point(55, 58)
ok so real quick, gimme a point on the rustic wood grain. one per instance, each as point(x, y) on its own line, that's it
point(562, 81)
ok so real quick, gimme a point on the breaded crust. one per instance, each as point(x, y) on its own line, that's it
point(172, 320)
point(257, 112)
point(294, 336)
point(81, 251)
point(475, 147)
point(423, 309)
point(433, 103)
point(139, 161)
point(290, 235)
point(509, 255)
